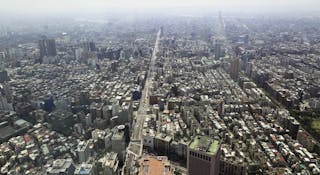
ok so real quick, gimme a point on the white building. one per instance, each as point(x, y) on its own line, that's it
point(110, 164)
point(83, 151)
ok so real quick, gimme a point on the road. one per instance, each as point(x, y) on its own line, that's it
point(134, 150)
point(144, 101)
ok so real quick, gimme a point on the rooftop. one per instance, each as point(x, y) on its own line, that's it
point(6, 131)
point(60, 165)
point(152, 165)
point(205, 144)
point(84, 169)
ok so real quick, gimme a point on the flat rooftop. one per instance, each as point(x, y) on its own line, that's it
point(152, 165)
point(205, 144)
point(6, 131)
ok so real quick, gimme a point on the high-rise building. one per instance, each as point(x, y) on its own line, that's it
point(162, 144)
point(203, 156)
point(118, 143)
point(234, 68)
point(47, 47)
point(221, 107)
point(83, 151)
point(109, 164)
point(4, 104)
point(89, 46)
point(4, 76)
point(217, 49)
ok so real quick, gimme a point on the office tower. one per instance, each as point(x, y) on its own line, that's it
point(4, 103)
point(161, 31)
point(294, 127)
point(2, 56)
point(47, 47)
point(83, 151)
point(4, 76)
point(92, 46)
point(221, 107)
point(217, 49)
point(89, 46)
point(78, 53)
point(203, 156)
point(118, 143)
point(48, 103)
point(234, 69)
point(249, 67)
point(162, 144)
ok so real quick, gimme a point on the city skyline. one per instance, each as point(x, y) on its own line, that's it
point(104, 6)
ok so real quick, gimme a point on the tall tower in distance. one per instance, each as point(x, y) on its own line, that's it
point(217, 49)
point(47, 47)
point(203, 156)
point(89, 46)
point(234, 68)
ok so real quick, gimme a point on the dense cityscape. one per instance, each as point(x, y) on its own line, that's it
point(211, 95)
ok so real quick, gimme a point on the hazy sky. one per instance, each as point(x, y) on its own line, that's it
point(64, 6)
